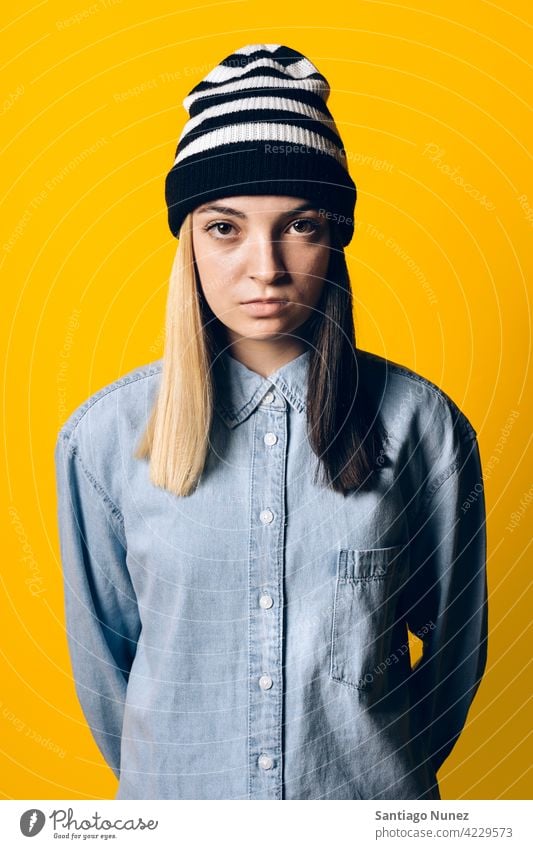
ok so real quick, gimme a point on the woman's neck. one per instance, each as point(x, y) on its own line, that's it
point(266, 356)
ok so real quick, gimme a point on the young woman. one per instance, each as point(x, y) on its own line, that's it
point(252, 526)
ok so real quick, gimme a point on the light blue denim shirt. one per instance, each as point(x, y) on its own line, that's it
point(251, 641)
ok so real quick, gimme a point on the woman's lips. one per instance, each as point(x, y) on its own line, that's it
point(264, 308)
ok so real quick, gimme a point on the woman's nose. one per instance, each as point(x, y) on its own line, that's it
point(265, 261)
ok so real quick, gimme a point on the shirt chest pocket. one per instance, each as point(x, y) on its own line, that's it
point(367, 590)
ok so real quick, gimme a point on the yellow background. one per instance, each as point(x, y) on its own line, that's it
point(431, 99)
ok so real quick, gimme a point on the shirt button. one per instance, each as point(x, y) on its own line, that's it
point(269, 397)
point(266, 601)
point(266, 516)
point(270, 439)
point(265, 762)
point(265, 682)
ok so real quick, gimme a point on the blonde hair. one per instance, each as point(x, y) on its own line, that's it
point(176, 438)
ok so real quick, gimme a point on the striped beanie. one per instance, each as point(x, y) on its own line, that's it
point(259, 125)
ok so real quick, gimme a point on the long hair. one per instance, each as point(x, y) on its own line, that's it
point(344, 432)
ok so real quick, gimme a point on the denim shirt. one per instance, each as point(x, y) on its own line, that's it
point(252, 640)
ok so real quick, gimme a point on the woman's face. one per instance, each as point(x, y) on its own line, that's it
point(252, 250)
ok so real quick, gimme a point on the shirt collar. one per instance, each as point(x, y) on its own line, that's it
point(240, 390)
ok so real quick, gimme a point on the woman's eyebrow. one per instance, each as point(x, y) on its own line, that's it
point(227, 210)
point(224, 210)
point(305, 207)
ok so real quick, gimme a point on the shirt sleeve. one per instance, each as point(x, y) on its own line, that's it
point(446, 600)
point(102, 617)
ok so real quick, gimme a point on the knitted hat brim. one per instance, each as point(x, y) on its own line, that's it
point(262, 169)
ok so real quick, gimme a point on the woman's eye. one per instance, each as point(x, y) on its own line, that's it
point(220, 229)
point(223, 229)
point(305, 225)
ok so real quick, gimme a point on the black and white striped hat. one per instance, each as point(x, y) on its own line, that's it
point(259, 125)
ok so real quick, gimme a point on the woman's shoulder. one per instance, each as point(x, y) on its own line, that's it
point(121, 400)
point(400, 389)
